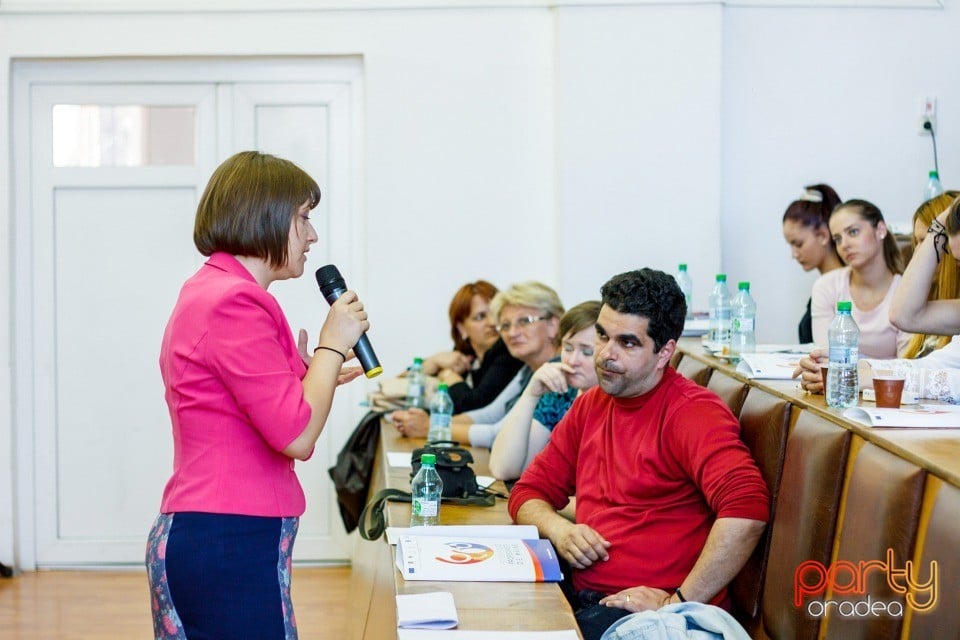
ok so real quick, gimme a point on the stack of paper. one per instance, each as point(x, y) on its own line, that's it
point(414, 634)
point(426, 611)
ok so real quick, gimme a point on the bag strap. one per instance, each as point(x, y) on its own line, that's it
point(375, 509)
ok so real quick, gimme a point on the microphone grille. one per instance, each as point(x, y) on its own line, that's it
point(329, 276)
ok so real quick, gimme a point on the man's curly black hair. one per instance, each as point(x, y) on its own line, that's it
point(650, 294)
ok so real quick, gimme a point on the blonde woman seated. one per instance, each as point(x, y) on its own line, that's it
point(870, 279)
point(526, 428)
point(936, 375)
point(945, 284)
point(528, 320)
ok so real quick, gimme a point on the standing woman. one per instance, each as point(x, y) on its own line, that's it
point(869, 280)
point(244, 403)
point(806, 229)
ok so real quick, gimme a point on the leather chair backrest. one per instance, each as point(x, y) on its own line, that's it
point(693, 369)
point(938, 545)
point(880, 511)
point(731, 391)
point(764, 425)
point(804, 519)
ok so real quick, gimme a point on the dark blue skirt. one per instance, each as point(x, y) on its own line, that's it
point(221, 577)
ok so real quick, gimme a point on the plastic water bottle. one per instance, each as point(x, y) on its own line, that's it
point(441, 408)
point(426, 489)
point(686, 287)
point(933, 188)
point(843, 384)
point(415, 384)
point(720, 316)
point(743, 324)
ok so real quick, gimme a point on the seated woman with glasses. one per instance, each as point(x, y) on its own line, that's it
point(479, 366)
point(555, 385)
point(527, 318)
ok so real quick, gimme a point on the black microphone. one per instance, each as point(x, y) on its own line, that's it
point(332, 286)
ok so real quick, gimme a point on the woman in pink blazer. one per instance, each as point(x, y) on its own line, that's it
point(244, 404)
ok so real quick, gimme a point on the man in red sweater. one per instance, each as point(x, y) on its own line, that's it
point(670, 503)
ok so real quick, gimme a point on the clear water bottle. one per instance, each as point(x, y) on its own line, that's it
point(843, 384)
point(441, 409)
point(686, 287)
point(426, 489)
point(415, 385)
point(933, 188)
point(743, 324)
point(720, 316)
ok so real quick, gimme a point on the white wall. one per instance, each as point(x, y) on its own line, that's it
point(638, 142)
point(828, 95)
point(568, 143)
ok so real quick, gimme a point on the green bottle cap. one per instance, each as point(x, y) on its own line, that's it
point(934, 174)
point(683, 266)
point(428, 459)
point(844, 305)
point(418, 361)
point(721, 277)
point(442, 386)
point(744, 286)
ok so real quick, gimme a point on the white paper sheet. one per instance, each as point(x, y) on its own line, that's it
point(459, 634)
point(922, 416)
point(399, 459)
point(434, 610)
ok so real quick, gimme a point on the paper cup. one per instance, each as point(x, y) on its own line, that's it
point(888, 390)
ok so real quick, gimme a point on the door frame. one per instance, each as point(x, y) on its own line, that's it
point(26, 75)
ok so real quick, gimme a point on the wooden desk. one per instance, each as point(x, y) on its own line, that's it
point(375, 581)
point(936, 450)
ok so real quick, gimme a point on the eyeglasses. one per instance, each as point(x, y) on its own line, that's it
point(522, 323)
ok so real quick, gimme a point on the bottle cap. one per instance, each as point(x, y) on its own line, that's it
point(683, 266)
point(428, 458)
point(934, 174)
point(721, 277)
point(442, 386)
point(744, 286)
point(844, 305)
point(418, 360)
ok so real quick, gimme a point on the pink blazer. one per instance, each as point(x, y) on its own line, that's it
point(232, 376)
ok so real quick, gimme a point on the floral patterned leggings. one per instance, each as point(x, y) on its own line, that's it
point(221, 576)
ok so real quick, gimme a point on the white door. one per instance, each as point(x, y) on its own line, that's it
point(104, 224)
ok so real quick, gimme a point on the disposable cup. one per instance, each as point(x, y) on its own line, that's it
point(823, 375)
point(888, 390)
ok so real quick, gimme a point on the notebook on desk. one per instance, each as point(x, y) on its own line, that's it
point(769, 366)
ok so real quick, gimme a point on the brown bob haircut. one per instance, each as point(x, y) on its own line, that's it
point(248, 206)
point(460, 310)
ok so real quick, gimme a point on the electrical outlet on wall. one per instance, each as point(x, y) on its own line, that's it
point(928, 113)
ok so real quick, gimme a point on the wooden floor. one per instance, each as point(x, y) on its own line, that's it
point(113, 605)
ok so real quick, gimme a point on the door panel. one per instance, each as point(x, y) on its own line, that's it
point(296, 121)
point(110, 244)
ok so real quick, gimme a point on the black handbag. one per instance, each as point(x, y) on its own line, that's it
point(459, 486)
point(453, 466)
